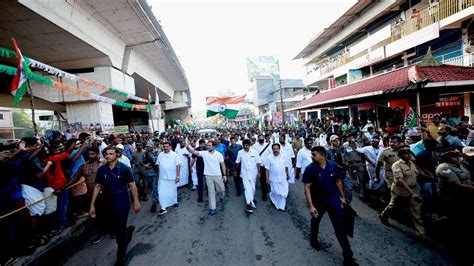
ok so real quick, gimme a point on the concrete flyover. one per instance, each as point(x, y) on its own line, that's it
point(118, 43)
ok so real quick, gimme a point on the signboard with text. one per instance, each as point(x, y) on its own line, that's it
point(121, 129)
point(263, 66)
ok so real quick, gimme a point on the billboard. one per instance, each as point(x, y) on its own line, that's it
point(263, 66)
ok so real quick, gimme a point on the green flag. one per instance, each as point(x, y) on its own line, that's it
point(410, 118)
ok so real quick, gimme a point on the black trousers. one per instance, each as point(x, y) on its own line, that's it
point(116, 210)
point(336, 214)
point(263, 181)
point(200, 185)
point(15, 230)
point(237, 178)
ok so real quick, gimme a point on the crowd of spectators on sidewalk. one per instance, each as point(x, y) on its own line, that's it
point(437, 185)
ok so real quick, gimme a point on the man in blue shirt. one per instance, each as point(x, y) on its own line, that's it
point(114, 179)
point(220, 147)
point(324, 192)
point(231, 155)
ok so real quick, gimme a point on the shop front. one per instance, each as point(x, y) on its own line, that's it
point(433, 90)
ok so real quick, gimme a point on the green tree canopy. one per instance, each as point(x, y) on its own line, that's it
point(23, 125)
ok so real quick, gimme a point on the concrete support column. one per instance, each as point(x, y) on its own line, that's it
point(467, 106)
point(177, 114)
point(90, 112)
point(180, 97)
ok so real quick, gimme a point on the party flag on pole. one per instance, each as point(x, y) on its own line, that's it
point(19, 84)
point(410, 118)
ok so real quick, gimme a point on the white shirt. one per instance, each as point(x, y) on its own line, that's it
point(287, 151)
point(123, 159)
point(303, 159)
point(322, 139)
point(368, 135)
point(212, 162)
point(276, 167)
point(183, 155)
point(275, 137)
point(248, 163)
point(101, 148)
point(168, 162)
point(370, 153)
point(259, 148)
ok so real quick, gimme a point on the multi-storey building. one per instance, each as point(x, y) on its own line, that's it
point(368, 62)
point(270, 94)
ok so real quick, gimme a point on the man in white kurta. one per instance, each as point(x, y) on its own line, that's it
point(248, 161)
point(185, 158)
point(264, 149)
point(168, 176)
point(303, 158)
point(286, 150)
point(277, 176)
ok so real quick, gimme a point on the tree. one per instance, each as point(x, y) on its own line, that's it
point(23, 125)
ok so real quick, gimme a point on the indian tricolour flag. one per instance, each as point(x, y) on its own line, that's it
point(226, 106)
point(19, 83)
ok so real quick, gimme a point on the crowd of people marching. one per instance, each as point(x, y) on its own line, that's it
point(425, 170)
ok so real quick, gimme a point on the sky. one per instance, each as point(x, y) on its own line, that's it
point(213, 39)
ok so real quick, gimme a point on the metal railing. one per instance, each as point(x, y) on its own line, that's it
point(462, 60)
point(425, 17)
point(422, 18)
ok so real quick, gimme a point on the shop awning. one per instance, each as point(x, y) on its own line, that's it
point(394, 81)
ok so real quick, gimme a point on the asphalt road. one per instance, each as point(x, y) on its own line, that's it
point(189, 236)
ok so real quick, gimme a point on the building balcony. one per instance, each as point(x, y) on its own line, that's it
point(466, 60)
point(421, 27)
point(436, 12)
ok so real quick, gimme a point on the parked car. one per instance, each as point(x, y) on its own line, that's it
point(207, 131)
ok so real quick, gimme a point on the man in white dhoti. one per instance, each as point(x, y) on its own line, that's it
point(303, 158)
point(286, 150)
point(185, 158)
point(248, 163)
point(214, 166)
point(277, 176)
point(168, 176)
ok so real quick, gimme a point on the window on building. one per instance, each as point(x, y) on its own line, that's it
point(45, 117)
point(1, 117)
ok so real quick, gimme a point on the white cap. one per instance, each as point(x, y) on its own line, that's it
point(468, 150)
point(119, 146)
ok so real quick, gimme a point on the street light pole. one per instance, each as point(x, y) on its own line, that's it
point(281, 105)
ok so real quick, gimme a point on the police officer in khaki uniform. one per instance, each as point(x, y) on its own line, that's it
point(356, 166)
point(453, 176)
point(456, 189)
point(386, 159)
point(405, 173)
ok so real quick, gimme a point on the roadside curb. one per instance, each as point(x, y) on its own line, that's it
point(61, 246)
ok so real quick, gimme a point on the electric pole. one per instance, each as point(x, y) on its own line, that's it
point(281, 104)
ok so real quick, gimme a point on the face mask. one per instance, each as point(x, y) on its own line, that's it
point(261, 141)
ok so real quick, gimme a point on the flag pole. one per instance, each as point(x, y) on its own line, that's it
point(151, 119)
point(32, 105)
